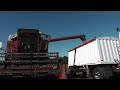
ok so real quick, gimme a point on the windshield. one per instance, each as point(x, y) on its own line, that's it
point(28, 42)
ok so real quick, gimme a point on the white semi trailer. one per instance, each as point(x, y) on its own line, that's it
point(98, 57)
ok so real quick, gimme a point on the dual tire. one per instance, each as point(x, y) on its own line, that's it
point(102, 73)
point(98, 73)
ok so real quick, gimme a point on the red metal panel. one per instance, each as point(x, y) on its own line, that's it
point(63, 71)
point(12, 46)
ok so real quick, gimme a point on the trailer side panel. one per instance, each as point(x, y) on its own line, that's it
point(108, 48)
point(103, 50)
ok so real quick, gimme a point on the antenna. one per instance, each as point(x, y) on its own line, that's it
point(118, 33)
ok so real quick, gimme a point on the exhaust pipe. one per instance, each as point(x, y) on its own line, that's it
point(0, 44)
point(118, 33)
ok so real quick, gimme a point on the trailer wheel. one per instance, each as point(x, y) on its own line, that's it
point(98, 73)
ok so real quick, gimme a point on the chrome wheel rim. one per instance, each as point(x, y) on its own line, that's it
point(97, 75)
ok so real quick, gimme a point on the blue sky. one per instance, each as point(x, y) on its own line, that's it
point(61, 23)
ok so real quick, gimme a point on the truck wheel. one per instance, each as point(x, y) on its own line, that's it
point(98, 73)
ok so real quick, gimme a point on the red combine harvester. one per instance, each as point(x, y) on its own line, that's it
point(27, 56)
